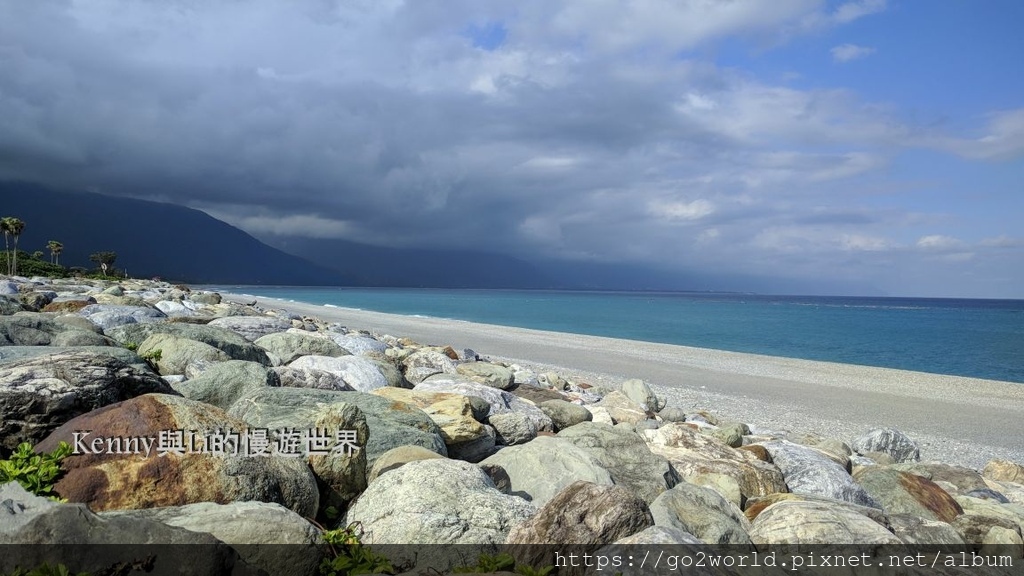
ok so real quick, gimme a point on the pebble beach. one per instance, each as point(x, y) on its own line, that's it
point(967, 421)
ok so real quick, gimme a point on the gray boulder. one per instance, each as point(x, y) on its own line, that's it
point(424, 363)
point(10, 354)
point(39, 394)
point(224, 382)
point(625, 456)
point(564, 414)
point(360, 373)
point(889, 441)
point(35, 329)
point(512, 428)
point(638, 391)
point(290, 549)
point(310, 378)
point(289, 346)
point(807, 471)
point(228, 342)
point(703, 513)
point(437, 501)
point(541, 468)
point(35, 522)
point(815, 523)
point(389, 424)
point(172, 354)
point(252, 328)
point(358, 345)
point(486, 373)
point(107, 316)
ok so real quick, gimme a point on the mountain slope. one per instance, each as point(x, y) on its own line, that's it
point(152, 239)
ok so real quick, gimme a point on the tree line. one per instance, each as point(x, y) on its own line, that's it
point(13, 227)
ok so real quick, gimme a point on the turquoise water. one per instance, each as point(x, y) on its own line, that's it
point(979, 338)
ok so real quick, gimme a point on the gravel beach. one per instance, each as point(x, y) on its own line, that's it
point(965, 421)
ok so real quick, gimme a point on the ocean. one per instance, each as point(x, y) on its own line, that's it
point(976, 338)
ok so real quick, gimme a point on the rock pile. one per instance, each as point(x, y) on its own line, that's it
point(196, 420)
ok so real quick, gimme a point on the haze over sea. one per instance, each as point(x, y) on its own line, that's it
point(976, 338)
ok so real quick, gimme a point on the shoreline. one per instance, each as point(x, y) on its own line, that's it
point(961, 420)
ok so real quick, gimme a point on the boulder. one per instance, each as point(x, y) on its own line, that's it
point(107, 316)
point(252, 328)
point(358, 372)
point(541, 468)
point(423, 363)
point(39, 394)
point(692, 453)
point(289, 346)
point(11, 305)
point(465, 438)
point(905, 493)
point(224, 382)
point(310, 378)
point(93, 543)
point(626, 457)
point(815, 523)
point(807, 471)
point(357, 344)
point(919, 531)
point(622, 408)
point(176, 309)
point(390, 423)
point(35, 329)
point(291, 548)
point(639, 392)
point(438, 501)
point(205, 298)
point(956, 478)
point(564, 414)
point(582, 513)
point(172, 354)
point(398, 457)
point(10, 354)
point(190, 452)
point(228, 342)
point(492, 375)
point(657, 536)
point(499, 400)
point(512, 428)
point(890, 441)
point(701, 512)
point(1002, 471)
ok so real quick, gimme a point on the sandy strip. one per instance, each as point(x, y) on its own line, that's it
point(965, 421)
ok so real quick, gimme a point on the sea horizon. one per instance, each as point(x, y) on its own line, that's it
point(971, 337)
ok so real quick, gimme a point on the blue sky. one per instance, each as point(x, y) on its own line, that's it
point(868, 142)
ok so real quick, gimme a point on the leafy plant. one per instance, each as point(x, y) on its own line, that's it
point(350, 555)
point(37, 473)
point(152, 357)
point(503, 562)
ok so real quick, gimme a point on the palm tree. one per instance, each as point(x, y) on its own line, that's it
point(17, 227)
point(55, 249)
point(5, 226)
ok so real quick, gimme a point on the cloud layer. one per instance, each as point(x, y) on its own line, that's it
point(598, 130)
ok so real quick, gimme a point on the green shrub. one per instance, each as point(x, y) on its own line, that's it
point(503, 562)
point(350, 556)
point(37, 473)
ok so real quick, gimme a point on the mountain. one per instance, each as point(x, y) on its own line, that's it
point(416, 268)
point(153, 239)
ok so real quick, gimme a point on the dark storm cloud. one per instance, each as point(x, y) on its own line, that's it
point(586, 133)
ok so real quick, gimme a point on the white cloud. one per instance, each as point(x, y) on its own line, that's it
point(308, 225)
point(938, 242)
point(1003, 139)
point(850, 11)
point(860, 242)
point(848, 52)
point(672, 211)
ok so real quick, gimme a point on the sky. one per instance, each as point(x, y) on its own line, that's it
point(869, 142)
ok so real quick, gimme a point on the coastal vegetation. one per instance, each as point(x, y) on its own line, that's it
point(18, 262)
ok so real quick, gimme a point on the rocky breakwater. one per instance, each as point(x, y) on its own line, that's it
point(197, 421)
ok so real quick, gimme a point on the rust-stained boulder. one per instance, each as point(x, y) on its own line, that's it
point(121, 462)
